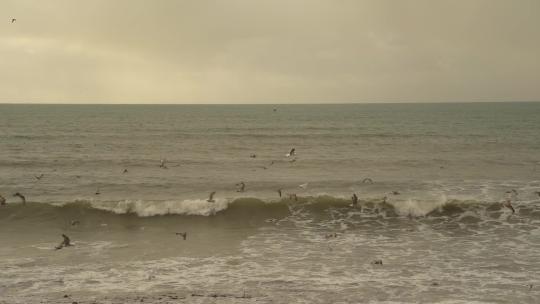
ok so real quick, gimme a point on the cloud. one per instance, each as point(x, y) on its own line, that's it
point(269, 51)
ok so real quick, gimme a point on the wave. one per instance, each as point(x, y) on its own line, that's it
point(254, 207)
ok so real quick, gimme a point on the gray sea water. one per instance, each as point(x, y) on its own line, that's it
point(443, 235)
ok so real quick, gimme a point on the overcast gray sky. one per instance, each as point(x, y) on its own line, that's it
point(275, 51)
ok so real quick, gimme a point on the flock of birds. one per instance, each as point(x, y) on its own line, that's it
point(241, 187)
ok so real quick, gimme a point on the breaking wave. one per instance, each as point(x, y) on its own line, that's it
point(247, 207)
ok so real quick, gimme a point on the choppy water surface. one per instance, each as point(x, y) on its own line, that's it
point(443, 236)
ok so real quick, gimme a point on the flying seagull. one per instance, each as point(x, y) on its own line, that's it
point(354, 200)
point(279, 192)
point(242, 186)
point(291, 153)
point(513, 191)
point(303, 186)
point(367, 181)
point(13, 20)
point(21, 196)
point(508, 205)
point(211, 197)
point(38, 177)
point(182, 234)
point(162, 163)
point(65, 243)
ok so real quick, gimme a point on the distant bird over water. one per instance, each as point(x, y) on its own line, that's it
point(13, 20)
point(65, 243)
point(38, 177)
point(367, 181)
point(508, 204)
point(291, 153)
point(211, 197)
point(162, 163)
point(21, 197)
point(303, 186)
point(279, 192)
point(242, 186)
point(354, 200)
point(182, 234)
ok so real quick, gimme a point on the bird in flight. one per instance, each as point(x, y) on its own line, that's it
point(367, 181)
point(38, 177)
point(13, 20)
point(508, 204)
point(162, 163)
point(182, 234)
point(21, 197)
point(242, 187)
point(211, 197)
point(291, 153)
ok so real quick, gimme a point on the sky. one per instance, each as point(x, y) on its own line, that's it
point(269, 51)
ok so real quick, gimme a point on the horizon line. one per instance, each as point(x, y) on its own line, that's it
point(268, 103)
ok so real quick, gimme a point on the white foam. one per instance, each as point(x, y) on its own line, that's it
point(151, 208)
point(418, 207)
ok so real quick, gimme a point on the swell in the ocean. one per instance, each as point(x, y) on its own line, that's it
point(254, 207)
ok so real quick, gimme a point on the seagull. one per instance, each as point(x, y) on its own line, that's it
point(38, 177)
point(279, 192)
point(3, 200)
point(21, 196)
point(125, 171)
point(162, 163)
point(291, 153)
point(242, 186)
point(182, 234)
point(253, 155)
point(508, 204)
point(395, 192)
point(354, 200)
point(13, 20)
point(75, 222)
point(211, 197)
point(97, 192)
point(303, 186)
point(331, 235)
point(513, 191)
point(367, 181)
point(65, 243)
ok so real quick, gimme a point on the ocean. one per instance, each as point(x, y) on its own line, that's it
point(122, 180)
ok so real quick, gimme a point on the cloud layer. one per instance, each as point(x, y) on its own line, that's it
point(245, 51)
